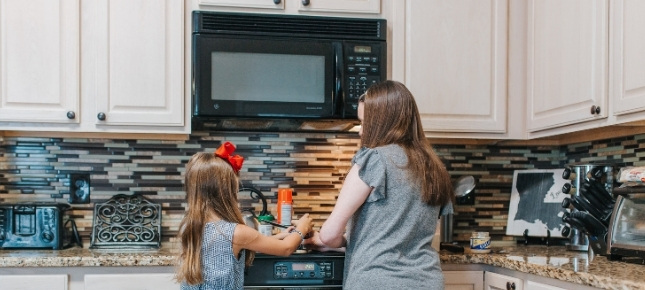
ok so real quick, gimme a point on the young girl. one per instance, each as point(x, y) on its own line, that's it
point(215, 242)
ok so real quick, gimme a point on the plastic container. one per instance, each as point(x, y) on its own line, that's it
point(285, 206)
point(480, 242)
point(264, 227)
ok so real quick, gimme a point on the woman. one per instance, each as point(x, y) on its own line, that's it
point(387, 210)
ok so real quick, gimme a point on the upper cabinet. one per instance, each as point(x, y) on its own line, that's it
point(567, 57)
point(134, 62)
point(627, 60)
point(293, 6)
point(39, 61)
point(585, 66)
point(453, 56)
point(104, 66)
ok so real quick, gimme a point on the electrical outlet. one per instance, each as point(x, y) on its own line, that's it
point(79, 188)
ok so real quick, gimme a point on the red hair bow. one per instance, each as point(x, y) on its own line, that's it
point(225, 152)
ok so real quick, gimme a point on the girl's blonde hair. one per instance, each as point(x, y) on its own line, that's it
point(211, 188)
point(391, 116)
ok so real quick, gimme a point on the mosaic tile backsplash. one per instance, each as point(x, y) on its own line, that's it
point(312, 164)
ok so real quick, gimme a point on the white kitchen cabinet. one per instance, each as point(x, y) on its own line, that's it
point(494, 281)
point(131, 282)
point(627, 66)
point(135, 62)
point(453, 56)
point(567, 62)
point(463, 280)
point(292, 6)
point(532, 285)
point(33, 282)
point(123, 72)
point(39, 61)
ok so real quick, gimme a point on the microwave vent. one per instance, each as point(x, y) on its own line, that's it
point(289, 25)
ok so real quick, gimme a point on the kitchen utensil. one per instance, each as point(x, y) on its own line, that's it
point(590, 204)
point(463, 189)
point(251, 219)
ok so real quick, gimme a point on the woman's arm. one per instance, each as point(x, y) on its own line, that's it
point(352, 195)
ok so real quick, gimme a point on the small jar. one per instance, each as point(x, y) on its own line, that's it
point(480, 242)
point(265, 227)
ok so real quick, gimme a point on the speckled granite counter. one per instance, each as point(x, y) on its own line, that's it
point(550, 262)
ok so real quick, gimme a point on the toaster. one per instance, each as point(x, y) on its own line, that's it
point(35, 225)
point(626, 233)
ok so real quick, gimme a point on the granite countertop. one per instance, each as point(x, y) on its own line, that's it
point(551, 262)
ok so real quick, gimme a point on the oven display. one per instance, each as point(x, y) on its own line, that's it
point(303, 266)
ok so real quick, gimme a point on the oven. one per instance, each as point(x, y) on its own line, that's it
point(314, 270)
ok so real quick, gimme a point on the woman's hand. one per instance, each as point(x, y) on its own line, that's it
point(305, 224)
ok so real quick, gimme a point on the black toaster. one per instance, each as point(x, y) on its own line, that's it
point(32, 225)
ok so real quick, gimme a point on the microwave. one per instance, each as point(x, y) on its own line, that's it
point(248, 65)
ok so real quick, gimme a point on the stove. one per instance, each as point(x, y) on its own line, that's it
point(311, 270)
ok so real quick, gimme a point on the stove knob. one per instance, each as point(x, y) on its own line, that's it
point(47, 236)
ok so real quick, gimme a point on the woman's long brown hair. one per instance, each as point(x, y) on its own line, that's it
point(211, 188)
point(391, 116)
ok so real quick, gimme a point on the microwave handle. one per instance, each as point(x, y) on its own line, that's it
point(338, 80)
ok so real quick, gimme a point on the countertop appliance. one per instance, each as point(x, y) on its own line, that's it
point(248, 65)
point(626, 236)
point(26, 225)
point(318, 270)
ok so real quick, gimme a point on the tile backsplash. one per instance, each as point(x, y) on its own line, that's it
point(313, 164)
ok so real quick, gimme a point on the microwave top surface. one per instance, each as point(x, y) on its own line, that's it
point(210, 22)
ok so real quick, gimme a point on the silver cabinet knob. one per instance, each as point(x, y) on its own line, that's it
point(101, 116)
point(71, 115)
point(305, 2)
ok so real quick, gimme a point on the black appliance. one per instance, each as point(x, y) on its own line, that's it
point(283, 66)
point(312, 270)
point(32, 225)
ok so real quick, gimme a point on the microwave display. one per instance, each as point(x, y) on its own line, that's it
point(257, 77)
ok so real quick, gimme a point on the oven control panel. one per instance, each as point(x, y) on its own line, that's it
point(303, 270)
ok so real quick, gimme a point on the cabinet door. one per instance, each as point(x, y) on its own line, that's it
point(628, 64)
point(494, 281)
point(135, 73)
point(455, 63)
point(353, 6)
point(464, 280)
point(566, 62)
point(33, 282)
point(39, 60)
point(130, 282)
point(540, 286)
point(245, 3)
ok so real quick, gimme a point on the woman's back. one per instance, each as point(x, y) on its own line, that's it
point(390, 236)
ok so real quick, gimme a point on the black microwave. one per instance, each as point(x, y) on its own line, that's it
point(249, 65)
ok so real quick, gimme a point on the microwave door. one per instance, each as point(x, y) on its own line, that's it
point(240, 77)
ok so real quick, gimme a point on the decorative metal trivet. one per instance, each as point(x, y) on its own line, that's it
point(126, 221)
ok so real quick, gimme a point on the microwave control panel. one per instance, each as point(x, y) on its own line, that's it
point(364, 66)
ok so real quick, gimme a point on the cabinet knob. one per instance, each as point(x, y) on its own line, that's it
point(71, 115)
point(305, 2)
point(510, 285)
point(101, 116)
point(595, 110)
point(277, 1)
